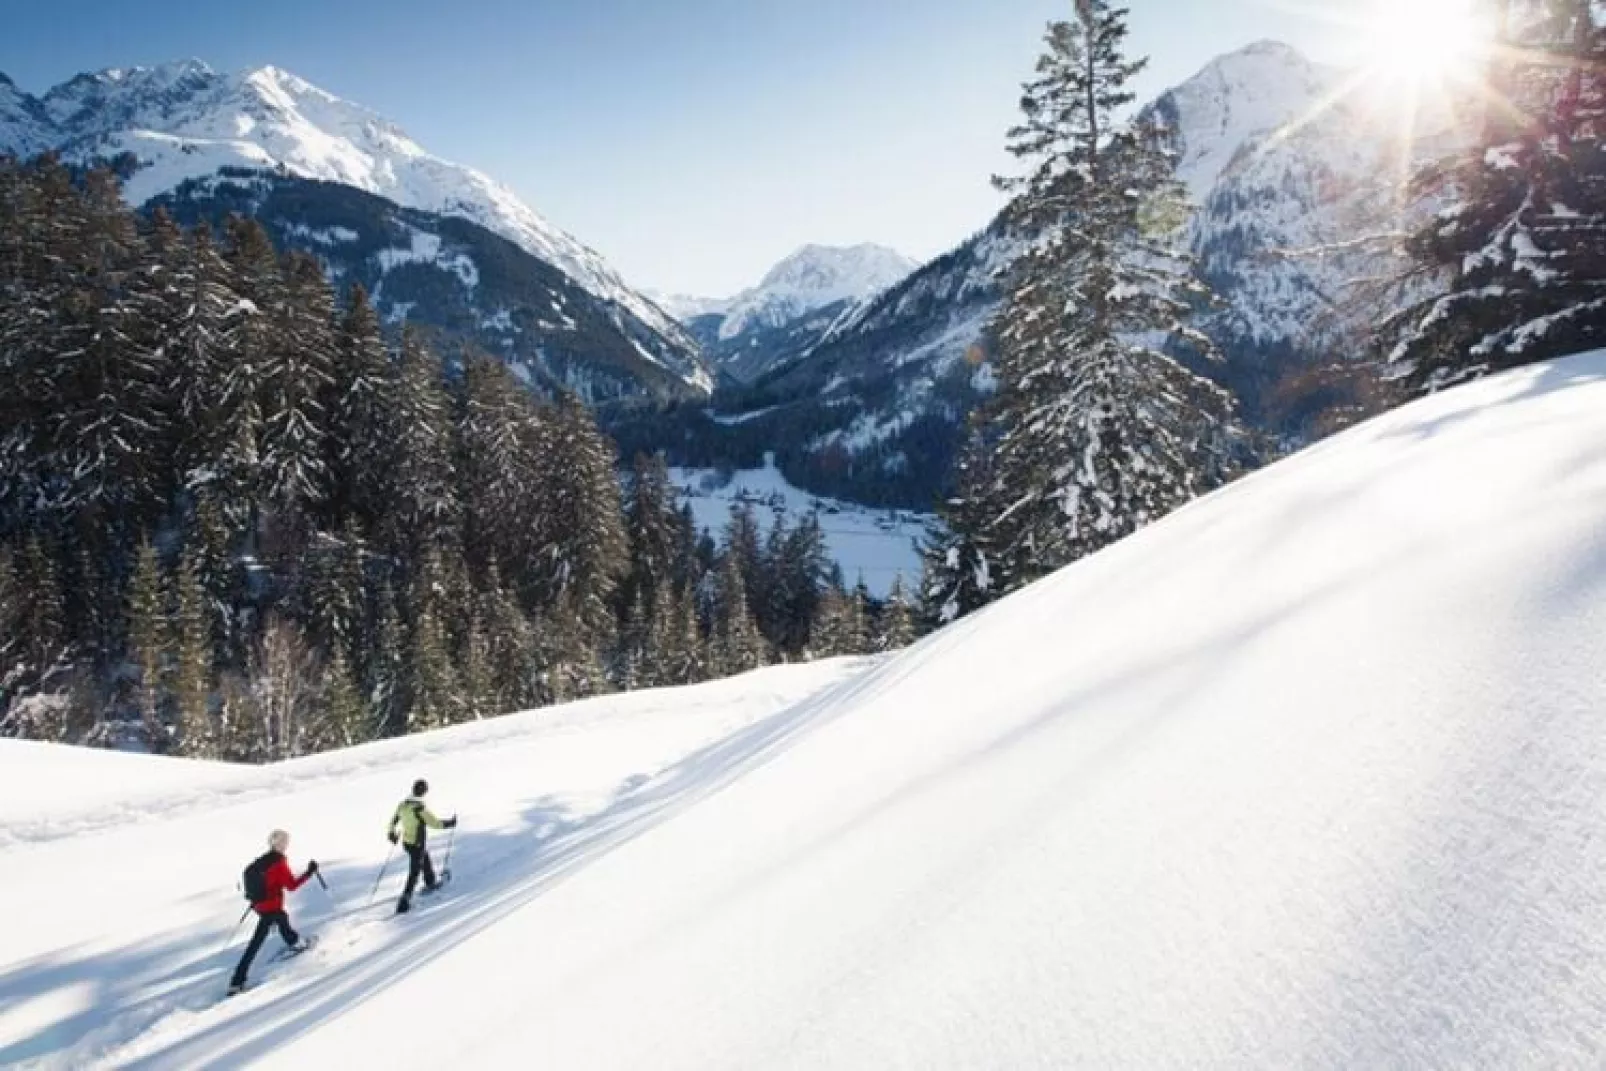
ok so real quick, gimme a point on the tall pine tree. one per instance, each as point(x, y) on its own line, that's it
point(1095, 429)
point(1522, 245)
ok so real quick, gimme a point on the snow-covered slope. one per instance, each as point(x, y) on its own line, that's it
point(1309, 774)
point(184, 121)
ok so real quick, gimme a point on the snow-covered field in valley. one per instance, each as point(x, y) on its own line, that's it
point(876, 545)
point(1311, 774)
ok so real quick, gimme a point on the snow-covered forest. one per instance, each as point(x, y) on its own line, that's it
point(239, 520)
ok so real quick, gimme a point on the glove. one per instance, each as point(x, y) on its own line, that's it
point(393, 836)
point(450, 823)
point(312, 867)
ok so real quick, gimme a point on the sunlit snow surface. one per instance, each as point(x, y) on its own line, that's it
point(1311, 774)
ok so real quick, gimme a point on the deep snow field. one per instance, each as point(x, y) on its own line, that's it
point(1311, 774)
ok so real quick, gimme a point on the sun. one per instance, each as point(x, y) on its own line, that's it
point(1425, 43)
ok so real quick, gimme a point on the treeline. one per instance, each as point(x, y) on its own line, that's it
point(238, 521)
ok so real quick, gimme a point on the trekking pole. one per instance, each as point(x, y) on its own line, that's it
point(382, 870)
point(446, 864)
point(236, 931)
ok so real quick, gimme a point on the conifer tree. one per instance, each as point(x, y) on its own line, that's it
point(498, 467)
point(798, 575)
point(11, 636)
point(959, 550)
point(362, 432)
point(385, 668)
point(423, 511)
point(1523, 242)
point(191, 679)
point(896, 627)
point(331, 600)
point(738, 646)
point(147, 641)
point(109, 424)
point(509, 647)
point(433, 690)
point(346, 718)
point(43, 615)
point(198, 323)
point(583, 550)
point(1095, 430)
point(297, 375)
point(653, 523)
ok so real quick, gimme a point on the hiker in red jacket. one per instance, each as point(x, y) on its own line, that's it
point(277, 879)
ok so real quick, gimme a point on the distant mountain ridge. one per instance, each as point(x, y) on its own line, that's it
point(184, 123)
point(1275, 165)
point(792, 308)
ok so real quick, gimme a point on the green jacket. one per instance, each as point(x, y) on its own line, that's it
point(413, 816)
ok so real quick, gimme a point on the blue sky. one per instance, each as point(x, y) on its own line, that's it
point(692, 142)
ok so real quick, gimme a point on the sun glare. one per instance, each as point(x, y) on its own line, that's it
point(1425, 42)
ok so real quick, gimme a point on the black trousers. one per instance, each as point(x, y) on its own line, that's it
point(418, 862)
point(265, 922)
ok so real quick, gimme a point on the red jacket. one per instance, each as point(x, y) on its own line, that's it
point(278, 880)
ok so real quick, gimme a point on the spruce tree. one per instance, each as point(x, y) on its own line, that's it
point(109, 420)
point(509, 647)
point(738, 646)
point(497, 466)
point(1095, 429)
point(433, 693)
point(198, 322)
point(45, 645)
point(895, 630)
point(147, 642)
point(423, 511)
point(583, 552)
point(191, 680)
point(653, 523)
point(362, 433)
point(1523, 241)
point(960, 550)
point(345, 715)
point(11, 636)
point(297, 375)
point(385, 667)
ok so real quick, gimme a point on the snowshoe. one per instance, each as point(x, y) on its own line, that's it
point(291, 951)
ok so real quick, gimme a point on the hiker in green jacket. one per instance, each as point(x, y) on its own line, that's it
point(411, 824)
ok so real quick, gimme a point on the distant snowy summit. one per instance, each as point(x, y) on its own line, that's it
point(815, 277)
point(185, 121)
point(792, 307)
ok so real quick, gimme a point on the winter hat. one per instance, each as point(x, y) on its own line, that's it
point(279, 840)
point(420, 787)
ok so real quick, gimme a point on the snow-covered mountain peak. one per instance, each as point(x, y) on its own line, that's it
point(184, 121)
point(815, 277)
point(97, 103)
point(25, 128)
point(1236, 99)
point(836, 272)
